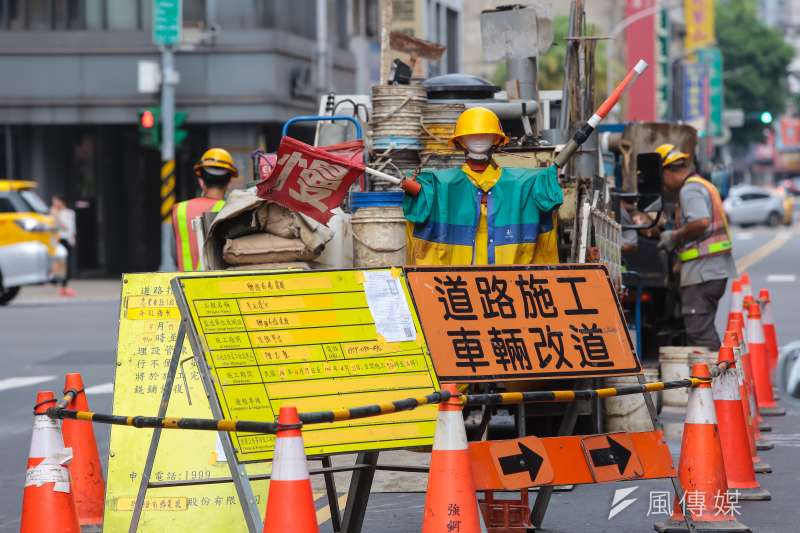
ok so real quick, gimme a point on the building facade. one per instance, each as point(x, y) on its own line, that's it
point(69, 102)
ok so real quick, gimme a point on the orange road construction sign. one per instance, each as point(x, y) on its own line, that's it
point(531, 462)
point(491, 323)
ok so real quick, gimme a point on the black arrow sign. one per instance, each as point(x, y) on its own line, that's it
point(527, 461)
point(615, 454)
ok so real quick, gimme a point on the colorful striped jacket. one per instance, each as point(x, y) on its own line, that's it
point(521, 212)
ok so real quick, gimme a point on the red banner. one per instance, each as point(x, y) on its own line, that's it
point(640, 39)
point(312, 180)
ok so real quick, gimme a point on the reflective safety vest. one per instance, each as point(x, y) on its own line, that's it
point(185, 240)
point(447, 224)
point(718, 240)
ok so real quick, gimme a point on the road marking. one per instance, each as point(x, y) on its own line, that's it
point(745, 236)
point(15, 383)
point(789, 439)
point(324, 514)
point(103, 388)
point(764, 251)
point(781, 278)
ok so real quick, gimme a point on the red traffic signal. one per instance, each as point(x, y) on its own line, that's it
point(147, 119)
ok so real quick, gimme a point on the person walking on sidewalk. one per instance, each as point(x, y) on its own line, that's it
point(703, 244)
point(65, 225)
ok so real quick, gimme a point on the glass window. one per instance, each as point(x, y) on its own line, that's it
point(69, 14)
point(34, 202)
point(6, 206)
point(194, 12)
point(146, 16)
point(94, 14)
point(122, 15)
point(40, 14)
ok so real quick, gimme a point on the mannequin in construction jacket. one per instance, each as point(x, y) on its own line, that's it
point(480, 213)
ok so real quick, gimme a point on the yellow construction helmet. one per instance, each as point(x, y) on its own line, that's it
point(670, 154)
point(216, 158)
point(478, 120)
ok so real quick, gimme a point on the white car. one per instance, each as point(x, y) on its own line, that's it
point(749, 205)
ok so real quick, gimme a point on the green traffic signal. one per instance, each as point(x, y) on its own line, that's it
point(180, 133)
point(766, 117)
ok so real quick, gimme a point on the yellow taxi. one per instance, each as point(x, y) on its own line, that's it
point(28, 238)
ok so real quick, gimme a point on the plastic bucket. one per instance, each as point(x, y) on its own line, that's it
point(675, 364)
point(379, 235)
point(375, 199)
point(629, 413)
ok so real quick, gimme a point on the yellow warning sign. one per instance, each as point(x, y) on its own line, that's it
point(316, 341)
point(148, 328)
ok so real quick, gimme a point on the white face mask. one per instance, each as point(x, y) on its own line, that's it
point(478, 145)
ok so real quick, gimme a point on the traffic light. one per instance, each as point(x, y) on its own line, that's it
point(766, 117)
point(150, 127)
point(180, 133)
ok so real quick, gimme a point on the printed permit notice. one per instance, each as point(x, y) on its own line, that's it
point(388, 305)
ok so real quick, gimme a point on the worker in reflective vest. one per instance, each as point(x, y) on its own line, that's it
point(703, 245)
point(214, 172)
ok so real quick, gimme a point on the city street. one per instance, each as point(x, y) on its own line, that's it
point(45, 337)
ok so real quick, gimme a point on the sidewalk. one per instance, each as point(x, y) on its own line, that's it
point(86, 290)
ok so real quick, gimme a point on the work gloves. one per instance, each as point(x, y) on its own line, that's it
point(665, 241)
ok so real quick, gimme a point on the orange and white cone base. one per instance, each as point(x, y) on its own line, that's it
point(770, 335)
point(761, 364)
point(733, 433)
point(290, 503)
point(701, 469)
point(450, 502)
point(85, 469)
point(47, 502)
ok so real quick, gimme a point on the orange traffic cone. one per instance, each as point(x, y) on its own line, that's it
point(85, 469)
point(736, 302)
point(747, 366)
point(760, 361)
point(768, 323)
point(701, 469)
point(732, 339)
point(47, 504)
point(450, 503)
point(733, 431)
point(290, 504)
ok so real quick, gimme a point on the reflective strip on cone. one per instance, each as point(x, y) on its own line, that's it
point(452, 436)
point(292, 465)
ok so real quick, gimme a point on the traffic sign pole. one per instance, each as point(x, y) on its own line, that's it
point(168, 77)
point(167, 24)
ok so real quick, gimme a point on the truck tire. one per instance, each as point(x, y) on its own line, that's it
point(6, 295)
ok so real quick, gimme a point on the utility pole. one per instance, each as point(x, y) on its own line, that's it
point(323, 53)
point(169, 79)
point(167, 25)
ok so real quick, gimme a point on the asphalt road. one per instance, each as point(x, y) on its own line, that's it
point(42, 338)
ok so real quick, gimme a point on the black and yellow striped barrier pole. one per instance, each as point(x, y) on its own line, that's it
point(167, 190)
point(364, 411)
point(167, 203)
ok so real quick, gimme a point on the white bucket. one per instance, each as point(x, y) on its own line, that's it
point(379, 237)
point(629, 413)
point(675, 361)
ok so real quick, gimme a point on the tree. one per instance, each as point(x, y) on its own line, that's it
point(756, 60)
point(551, 63)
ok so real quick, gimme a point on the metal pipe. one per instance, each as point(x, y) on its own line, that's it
point(509, 110)
point(323, 78)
